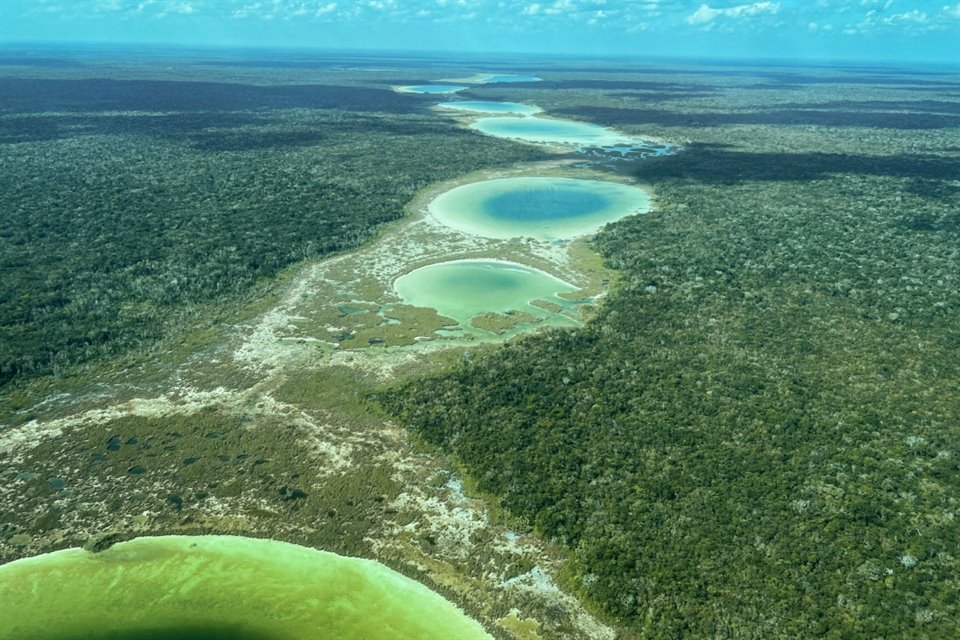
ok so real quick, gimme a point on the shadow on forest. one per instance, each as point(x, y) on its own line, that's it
point(37, 96)
point(830, 116)
point(721, 164)
point(213, 131)
point(612, 85)
point(210, 132)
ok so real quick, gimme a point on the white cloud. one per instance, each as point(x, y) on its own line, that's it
point(247, 10)
point(952, 11)
point(703, 15)
point(706, 14)
point(109, 5)
point(531, 9)
point(916, 16)
point(182, 8)
point(560, 6)
point(330, 7)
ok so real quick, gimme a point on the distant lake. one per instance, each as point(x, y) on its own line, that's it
point(432, 88)
point(493, 78)
point(487, 106)
point(538, 207)
point(550, 131)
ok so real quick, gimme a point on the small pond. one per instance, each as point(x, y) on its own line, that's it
point(464, 289)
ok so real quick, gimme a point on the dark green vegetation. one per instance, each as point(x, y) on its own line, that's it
point(757, 434)
point(135, 206)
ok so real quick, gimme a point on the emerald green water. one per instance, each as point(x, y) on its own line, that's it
point(463, 289)
point(218, 587)
point(541, 208)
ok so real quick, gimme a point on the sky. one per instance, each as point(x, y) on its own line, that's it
point(861, 30)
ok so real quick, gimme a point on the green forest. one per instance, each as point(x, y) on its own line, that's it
point(756, 435)
point(134, 210)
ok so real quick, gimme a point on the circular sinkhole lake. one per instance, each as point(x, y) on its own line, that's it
point(431, 88)
point(551, 131)
point(541, 208)
point(464, 289)
point(218, 587)
point(487, 106)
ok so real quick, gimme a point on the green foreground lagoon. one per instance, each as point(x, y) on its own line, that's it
point(541, 208)
point(464, 289)
point(218, 587)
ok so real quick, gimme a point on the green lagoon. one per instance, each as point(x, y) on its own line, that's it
point(464, 289)
point(489, 106)
point(539, 207)
point(218, 587)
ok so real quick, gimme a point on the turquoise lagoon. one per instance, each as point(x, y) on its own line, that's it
point(486, 106)
point(464, 289)
point(215, 588)
point(550, 131)
point(432, 88)
point(541, 208)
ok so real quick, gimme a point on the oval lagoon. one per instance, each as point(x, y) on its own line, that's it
point(432, 88)
point(218, 587)
point(550, 131)
point(486, 106)
point(540, 208)
point(464, 289)
point(495, 78)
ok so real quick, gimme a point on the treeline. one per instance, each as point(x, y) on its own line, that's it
point(114, 226)
point(756, 436)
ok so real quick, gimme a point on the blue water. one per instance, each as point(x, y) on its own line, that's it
point(535, 205)
point(487, 106)
point(432, 88)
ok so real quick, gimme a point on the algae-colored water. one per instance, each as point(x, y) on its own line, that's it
point(490, 106)
point(463, 289)
point(537, 207)
point(193, 587)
